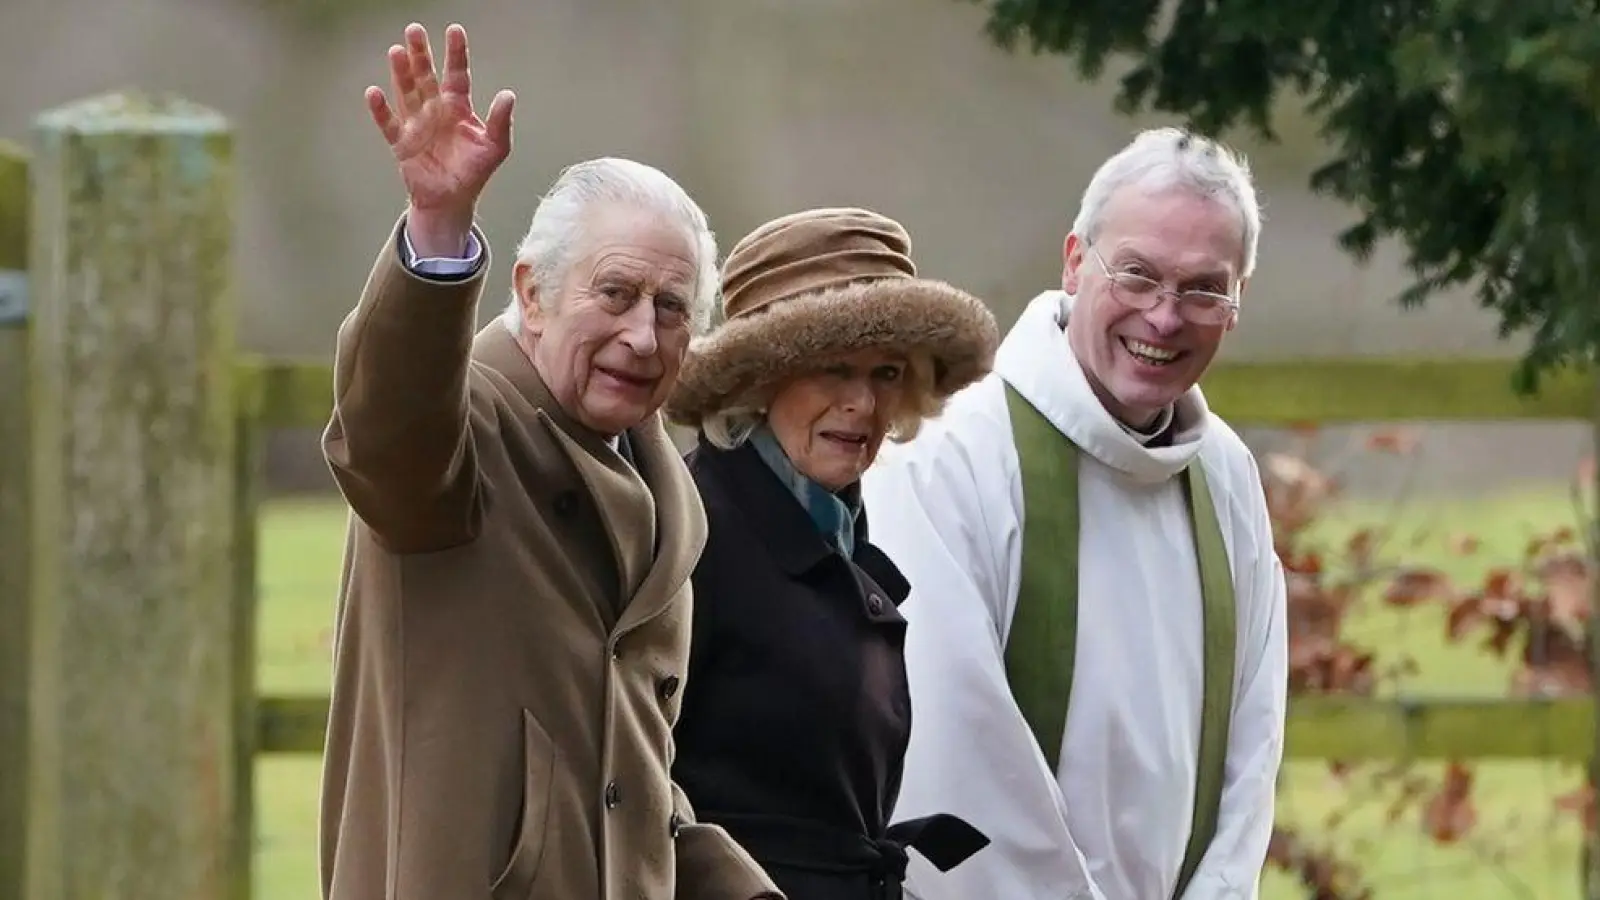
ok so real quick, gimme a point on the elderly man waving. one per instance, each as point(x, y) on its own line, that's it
point(1096, 645)
point(514, 626)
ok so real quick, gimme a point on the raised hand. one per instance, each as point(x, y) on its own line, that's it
point(444, 151)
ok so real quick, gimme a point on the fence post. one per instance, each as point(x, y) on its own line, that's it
point(14, 633)
point(133, 731)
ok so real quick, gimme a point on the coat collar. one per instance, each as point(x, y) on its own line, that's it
point(652, 516)
point(785, 527)
point(1036, 359)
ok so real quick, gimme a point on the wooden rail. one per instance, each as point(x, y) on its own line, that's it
point(1348, 729)
point(279, 394)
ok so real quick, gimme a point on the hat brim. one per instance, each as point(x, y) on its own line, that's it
point(747, 355)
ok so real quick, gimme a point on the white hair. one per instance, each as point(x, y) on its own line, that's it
point(562, 214)
point(1163, 158)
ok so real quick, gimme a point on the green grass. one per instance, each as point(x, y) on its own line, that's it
point(1521, 848)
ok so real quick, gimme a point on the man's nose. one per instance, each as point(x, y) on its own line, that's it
point(1166, 317)
point(639, 329)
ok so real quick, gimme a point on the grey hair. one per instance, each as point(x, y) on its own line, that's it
point(1163, 158)
point(727, 429)
point(560, 217)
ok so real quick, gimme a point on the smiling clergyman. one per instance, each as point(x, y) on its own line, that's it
point(1105, 702)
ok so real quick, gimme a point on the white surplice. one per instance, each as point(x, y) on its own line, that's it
point(1112, 822)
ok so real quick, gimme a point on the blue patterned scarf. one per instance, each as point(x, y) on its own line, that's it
point(834, 514)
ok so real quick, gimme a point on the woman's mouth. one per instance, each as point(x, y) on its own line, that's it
point(845, 440)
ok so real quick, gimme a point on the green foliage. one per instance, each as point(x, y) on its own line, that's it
point(1466, 128)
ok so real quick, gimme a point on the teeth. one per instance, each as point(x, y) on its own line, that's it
point(1149, 352)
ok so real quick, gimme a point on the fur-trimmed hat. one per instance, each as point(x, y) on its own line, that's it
point(812, 285)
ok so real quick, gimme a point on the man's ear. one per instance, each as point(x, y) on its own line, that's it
point(1233, 320)
point(527, 290)
point(1071, 260)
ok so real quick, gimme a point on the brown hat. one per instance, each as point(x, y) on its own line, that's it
point(815, 284)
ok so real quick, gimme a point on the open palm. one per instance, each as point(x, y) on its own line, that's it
point(444, 151)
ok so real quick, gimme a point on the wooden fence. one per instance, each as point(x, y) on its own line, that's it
point(130, 446)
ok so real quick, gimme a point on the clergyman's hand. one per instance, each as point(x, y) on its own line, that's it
point(444, 152)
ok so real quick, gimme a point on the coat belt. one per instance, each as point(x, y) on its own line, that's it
point(943, 839)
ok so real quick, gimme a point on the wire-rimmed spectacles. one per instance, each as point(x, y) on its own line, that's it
point(1135, 291)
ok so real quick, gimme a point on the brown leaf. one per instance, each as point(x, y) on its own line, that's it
point(1450, 815)
point(1554, 662)
point(1500, 583)
point(1499, 640)
point(1465, 615)
point(1464, 544)
point(1322, 667)
point(1415, 586)
point(1296, 491)
point(1568, 585)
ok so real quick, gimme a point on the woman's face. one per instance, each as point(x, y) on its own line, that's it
point(831, 422)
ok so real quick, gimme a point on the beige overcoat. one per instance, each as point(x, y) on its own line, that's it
point(512, 632)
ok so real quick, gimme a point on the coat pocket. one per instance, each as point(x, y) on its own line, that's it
point(538, 779)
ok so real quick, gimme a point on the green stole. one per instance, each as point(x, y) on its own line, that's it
point(1043, 639)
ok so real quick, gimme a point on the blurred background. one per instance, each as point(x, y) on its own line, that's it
point(758, 107)
point(762, 107)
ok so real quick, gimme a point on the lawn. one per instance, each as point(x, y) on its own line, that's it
point(1520, 849)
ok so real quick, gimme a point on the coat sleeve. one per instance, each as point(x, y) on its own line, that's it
point(947, 512)
point(1231, 868)
point(712, 865)
point(398, 443)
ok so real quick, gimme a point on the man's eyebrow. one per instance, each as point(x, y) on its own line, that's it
point(1126, 256)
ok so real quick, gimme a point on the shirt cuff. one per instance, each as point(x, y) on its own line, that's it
point(442, 267)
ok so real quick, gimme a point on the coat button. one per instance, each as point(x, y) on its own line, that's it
point(566, 503)
point(613, 795)
point(875, 604)
point(669, 687)
point(674, 824)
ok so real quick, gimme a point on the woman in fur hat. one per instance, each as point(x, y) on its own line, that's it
point(796, 713)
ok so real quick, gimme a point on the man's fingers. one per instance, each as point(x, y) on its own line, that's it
point(382, 115)
point(498, 125)
point(421, 53)
point(405, 97)
point(457, 75)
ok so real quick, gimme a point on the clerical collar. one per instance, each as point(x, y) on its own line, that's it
point(1155, 430)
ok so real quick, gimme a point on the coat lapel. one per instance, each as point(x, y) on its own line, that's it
point(651, 515)
point(681, 519)
point(627, 511)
